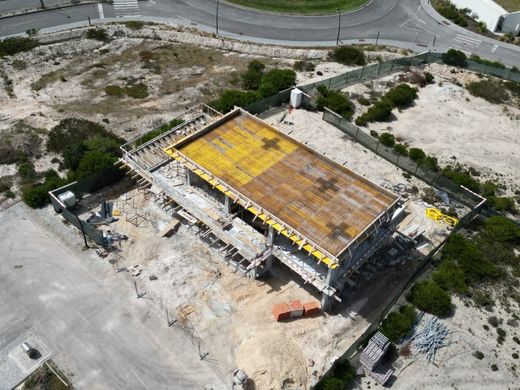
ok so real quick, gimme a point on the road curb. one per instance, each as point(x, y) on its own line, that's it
point(36, 11)
point(293, 15)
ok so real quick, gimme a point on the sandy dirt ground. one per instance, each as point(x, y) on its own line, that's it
point(446, 121)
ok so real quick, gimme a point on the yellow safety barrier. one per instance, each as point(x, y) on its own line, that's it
point(439, 217)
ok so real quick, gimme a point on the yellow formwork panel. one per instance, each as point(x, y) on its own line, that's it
point(328, 204)
point(276, 226)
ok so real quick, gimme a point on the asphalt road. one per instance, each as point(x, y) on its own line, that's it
point(88, 315)
point(407, 23)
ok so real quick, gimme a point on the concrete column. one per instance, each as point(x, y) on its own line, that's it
point(270, 235)
point(326, 301)
point(188, 177)
point(228, 203)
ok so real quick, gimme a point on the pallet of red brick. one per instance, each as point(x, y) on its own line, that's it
point(311, 308)
point(281, 311)
point(296, 308)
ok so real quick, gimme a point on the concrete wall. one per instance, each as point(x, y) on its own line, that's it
point(488, 11)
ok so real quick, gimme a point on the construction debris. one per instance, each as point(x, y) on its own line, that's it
point(431, 338)
point(135, 270)
point(103, 216)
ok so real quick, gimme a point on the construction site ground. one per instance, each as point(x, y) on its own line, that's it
point(229, 315)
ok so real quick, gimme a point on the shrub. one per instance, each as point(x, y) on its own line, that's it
point(402, 95)
point(488, 188)
point(251, 78)
point(93, 162)
point(380, 111)
point(335, 101)
point(494, 367)
point(429, 77)
point(416, 154)
point(348, 55)
point(398, 324)
point(13, 45)
point(431, 163)
point(276, 80)
point(98, 34)
point(363, 101)
point(137, 91)
point(387, 139)
point(428, 296)
point(401, 149)
point(461, 177)
point(450, 277)
point(469, 258)
point(231, 98)
point(449, 11)
point(306, 66)
point(374, 133)
point(454, 58)
point(342, 375)
point(72, 155)
point(490, 90)
point(72, 131)
point(501, 229)
point(494, 64)
point(502, 203)
point(479, 355)
point(114, 90)
point(26, 171)
point(134, 24)
point(37, 195)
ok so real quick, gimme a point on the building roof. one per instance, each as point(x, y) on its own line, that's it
point(327, 205)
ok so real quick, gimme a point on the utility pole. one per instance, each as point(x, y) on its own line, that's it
point(216, 17)
point(339, 24)
point(377, 38)
point(41, 3)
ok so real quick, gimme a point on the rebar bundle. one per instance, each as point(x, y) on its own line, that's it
point(431, 338)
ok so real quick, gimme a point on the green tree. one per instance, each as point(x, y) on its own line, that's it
point(387, 139)
point(348, 55)
point(428, 296)
point(276, 80)
point(92, 162)
point(455, 58)
point(251, 78)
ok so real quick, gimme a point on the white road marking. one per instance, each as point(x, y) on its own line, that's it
point(100, 10)
point(495, 47)
point(467, 40)
point(139, 378)
point(126, 7)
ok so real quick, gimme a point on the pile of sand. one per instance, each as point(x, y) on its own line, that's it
point(272, 361)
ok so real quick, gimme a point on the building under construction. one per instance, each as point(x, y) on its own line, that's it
point(260, 196)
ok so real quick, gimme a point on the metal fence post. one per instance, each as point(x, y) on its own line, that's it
point(357, 132)
point(377, 146)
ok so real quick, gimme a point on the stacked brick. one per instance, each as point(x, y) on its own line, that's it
point(295, 309)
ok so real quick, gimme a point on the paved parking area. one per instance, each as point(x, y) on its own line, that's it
point(100, 336)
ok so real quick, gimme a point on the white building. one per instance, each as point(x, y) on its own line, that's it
point(496, 18)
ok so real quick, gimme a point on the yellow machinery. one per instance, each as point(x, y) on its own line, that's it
point(439, 217)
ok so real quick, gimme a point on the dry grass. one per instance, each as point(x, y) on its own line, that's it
point(509, 5)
